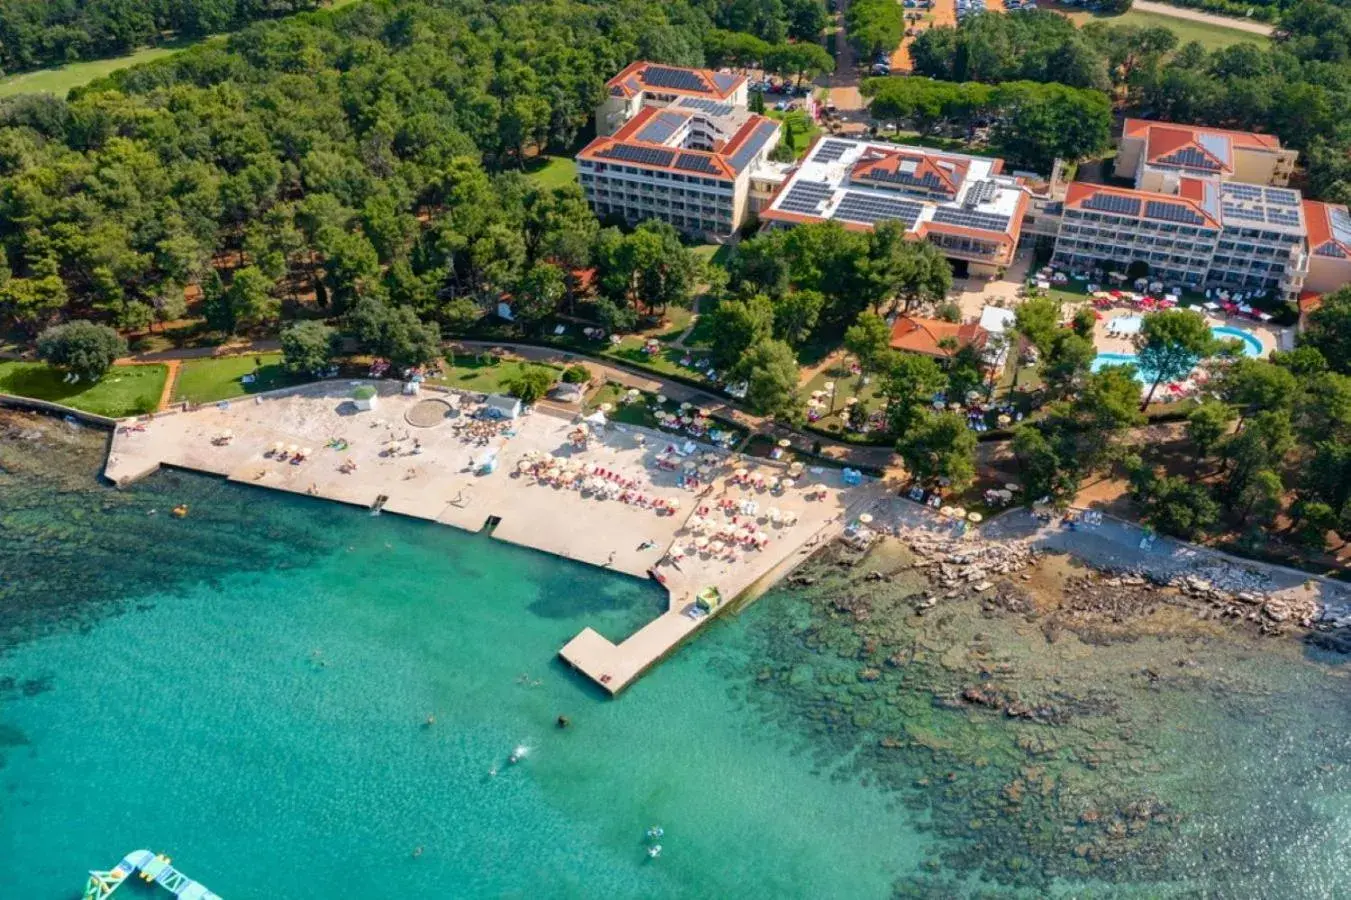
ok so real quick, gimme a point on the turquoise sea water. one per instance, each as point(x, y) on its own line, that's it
point(247, 690)
point(266, 727)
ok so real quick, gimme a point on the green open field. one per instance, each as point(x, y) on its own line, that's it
point(486, 374)
point(124, 391)
point(799, 141)
point(1210, 36)
point(60, 80)
point(552, 171)
point(209, 380)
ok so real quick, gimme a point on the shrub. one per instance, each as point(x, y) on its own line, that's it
point(576, 374)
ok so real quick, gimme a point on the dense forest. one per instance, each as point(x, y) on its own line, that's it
point(38, 33)
point(1298, 88)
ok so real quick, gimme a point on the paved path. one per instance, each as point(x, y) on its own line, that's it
point(1196, 15)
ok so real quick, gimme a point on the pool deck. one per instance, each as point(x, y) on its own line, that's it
point(440, 481)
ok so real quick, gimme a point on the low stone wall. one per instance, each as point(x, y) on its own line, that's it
point(56, 409)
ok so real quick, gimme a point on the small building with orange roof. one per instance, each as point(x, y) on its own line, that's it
point(1329, 247)
point(936, 337)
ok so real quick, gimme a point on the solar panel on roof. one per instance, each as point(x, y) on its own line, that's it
point(980, 192)
point(677, 79)
point(660, 128)
point(966, 219)
point(805, 196)
point(869, 209)
point(1241, 191)
point(1341, 225)
point(907, 178)
point(1282, 197)
point(1173, 212)
point(1190, 158)
point(648, 156)
point(752, 145)
point(1234, 211)
point(712, 107)
point(830, 151)
point(1113, 203)
point(694, 162)
point(1278, 215)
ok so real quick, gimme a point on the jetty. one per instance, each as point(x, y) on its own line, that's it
point(701, 521)
point(153, 869)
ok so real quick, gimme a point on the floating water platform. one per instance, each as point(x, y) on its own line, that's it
point(154, 869)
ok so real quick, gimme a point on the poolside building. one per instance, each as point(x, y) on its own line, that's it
point(1329, 247)
point(679, 145)
point(937, 338)
point(963, 204)
point(1208, 210)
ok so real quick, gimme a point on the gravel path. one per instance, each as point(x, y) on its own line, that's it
point(1196, 15)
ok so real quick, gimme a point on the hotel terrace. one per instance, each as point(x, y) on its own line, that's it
point(679, 145)
point(963, 204)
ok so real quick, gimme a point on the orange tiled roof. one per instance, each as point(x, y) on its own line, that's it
point(647, 76)
point(940, 173)
point(925, 335)
point(1079, 193)
point(1141, 128)
point(1318, 217)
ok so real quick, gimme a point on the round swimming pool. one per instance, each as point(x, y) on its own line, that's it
point(1251, 347)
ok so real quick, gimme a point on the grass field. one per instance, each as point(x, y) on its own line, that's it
point(62, 79)
point(124, 391)
point(485, 374)
point(799, 141)
point(552, 171)
point(209, 380)
point(1212, 37)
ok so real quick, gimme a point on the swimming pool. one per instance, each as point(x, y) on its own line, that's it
point(1251, 347)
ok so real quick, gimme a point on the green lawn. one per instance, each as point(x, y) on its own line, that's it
point(485, 374)
point(552, 171)
point(799, 141)
point(209, 380)
point(124, 391)
point(61, 79)
point(1210, 36)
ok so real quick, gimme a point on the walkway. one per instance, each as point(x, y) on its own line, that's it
point(1196, 15)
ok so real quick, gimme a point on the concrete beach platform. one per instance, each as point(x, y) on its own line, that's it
point(436, 472)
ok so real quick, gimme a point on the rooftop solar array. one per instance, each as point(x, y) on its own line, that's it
point(1242, 191)
point(1282, 197)
point(830, 151)
point(928, 180)
point(1330, 249)
point(966, 219)
point(712, 107)
point(869, 209)
point(1173, 212)
point(1283, 216)
point(1189, 158)
point(1217, 145)
point(725, 80)
point(980, 192)
point(660, 128)
point(1113, 203)
point(648, 156)
point(1341, 225)
point(805, 197)
point(1232, 211)
point(752, 145)
point(694, 162)
point(676, 79)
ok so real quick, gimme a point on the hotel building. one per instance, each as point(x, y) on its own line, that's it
point(962, 204)
point(1208, 209)
point(679, 145)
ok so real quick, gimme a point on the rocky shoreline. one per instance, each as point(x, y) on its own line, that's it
point(1026, 702)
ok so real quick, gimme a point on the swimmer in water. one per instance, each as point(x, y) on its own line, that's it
point(492, 773)
point(417, 851)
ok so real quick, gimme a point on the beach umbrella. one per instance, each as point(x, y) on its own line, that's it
point(717, 546)
point(740, 473)
point(686, 405)
point(795, 468)
point(785, 443)
point(661, 398)
point(701, 542)
point(673, 503)
point(306, 452)
point(689, 465)
point(945, 511)
point(974, 517)
point(773, 482)
point(787, 483)
point(865, 519)
point(1004, 420)
point(1012, 487)
point(830, 387)
point(958, 512)
point(227, 434)
point(278, 447)
point(606, 407)
point(851, 401)
point(292, 449)
point(773, 513)
point(633, 392)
